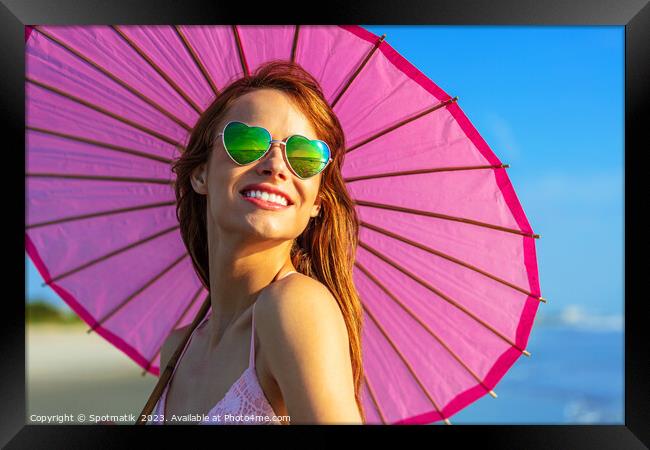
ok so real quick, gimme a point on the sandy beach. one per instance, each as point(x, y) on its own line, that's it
point(72, 372)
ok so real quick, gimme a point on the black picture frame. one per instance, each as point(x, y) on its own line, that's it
point(633, 14)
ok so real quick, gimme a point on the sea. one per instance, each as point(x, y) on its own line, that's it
point(573, 376)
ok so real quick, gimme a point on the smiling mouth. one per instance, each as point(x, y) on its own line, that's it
point(264, 204)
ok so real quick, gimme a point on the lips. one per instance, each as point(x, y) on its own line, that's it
point(270, 189)
point(264, 204)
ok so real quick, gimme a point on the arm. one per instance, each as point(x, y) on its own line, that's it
point(308, 352)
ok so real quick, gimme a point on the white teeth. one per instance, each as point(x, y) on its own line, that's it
point(273, 198)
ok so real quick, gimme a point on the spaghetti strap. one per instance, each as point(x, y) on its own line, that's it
point(162, 401)
point(187, 344)
point(251, 356)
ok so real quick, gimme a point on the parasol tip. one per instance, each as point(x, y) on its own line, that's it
point(537, 236)
point(505, 166)
point(447, 422)
point(526, 352)
point(493, 394)
point(542, 299)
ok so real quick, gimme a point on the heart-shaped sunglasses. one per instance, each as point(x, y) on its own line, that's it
point(246, 144)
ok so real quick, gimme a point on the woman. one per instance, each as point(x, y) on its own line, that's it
point(282, 336)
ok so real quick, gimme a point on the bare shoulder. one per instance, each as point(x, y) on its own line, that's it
point(170, 345)
point(303, 320)
point(298, 306)
point(306, 348)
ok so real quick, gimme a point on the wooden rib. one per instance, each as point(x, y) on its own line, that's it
point(425, 326)
point(196, 59)
point(119, 81)
point(358, 71)
point(173, 327)
point(374, 400)
point(401, 123)
point(438, 293)
point(104, 111)
point(98, 177)
point(137, 292)
point(160, 72)
point(101, 144)
point(404, 361)
point(449, 258)
point(294, 45)
point(420, 171)
point(99, 214)
point(443, 216)
point(240, 50)
point(110, 255)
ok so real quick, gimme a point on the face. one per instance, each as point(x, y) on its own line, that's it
point(225, 182)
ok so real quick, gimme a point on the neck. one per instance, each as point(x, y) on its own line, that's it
point(238, 272)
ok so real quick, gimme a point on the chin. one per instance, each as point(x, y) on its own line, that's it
point(267, 229)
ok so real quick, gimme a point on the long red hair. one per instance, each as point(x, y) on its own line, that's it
point(326, 248)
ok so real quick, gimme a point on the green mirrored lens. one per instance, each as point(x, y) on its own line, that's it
point(307, 157)
point(245, 144)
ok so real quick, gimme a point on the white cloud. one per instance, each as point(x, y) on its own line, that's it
point(577, 317)
point(585, 411)
point(505, 146)
point(585, 188)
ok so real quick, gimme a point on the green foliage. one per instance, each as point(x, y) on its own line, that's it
point(42, 312)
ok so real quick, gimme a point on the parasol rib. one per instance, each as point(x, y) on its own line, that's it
point(401, 123)
point(137, 292)
point(196, 59)
point(116, 79)
point(374, 400)
point(240, 50)
point(425, 326)
point(164, 336)
point(98, 177)
point(421, 171)
point(404, 361)
point(155, 67)
point(448, 257)
point(99, 214)
point(110, 255)
point(443, 216)
point(440, 294)
point(358, 71)
point(294, 45)
point(105, 145)
point(106, 112)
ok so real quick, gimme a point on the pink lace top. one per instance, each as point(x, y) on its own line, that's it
point(245, 402)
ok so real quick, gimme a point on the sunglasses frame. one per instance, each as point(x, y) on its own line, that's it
point(271, 141)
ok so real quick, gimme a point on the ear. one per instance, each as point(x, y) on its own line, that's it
point(315, 210)
point(199, 180)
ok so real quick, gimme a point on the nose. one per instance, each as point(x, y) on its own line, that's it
point(273, 163)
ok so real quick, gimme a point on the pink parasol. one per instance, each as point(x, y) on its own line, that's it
point(446, 268)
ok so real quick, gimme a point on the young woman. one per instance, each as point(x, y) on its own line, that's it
point(272, 233)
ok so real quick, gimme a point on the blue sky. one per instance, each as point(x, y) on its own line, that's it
point(549, 102)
